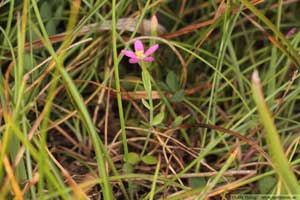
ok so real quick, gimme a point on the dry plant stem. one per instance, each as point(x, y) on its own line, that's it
point(235, 134)
point(230, 186)
point(99, 102)
point(12, 179)
point(127, 24)
point(283, 43)
point(280, 162)
point(208, 174)
point(217, 15)
point(77, 190)
point(138, 109)
point(168, 137)
point(32, 182)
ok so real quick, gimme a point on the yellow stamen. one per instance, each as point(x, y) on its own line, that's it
point(139, 54)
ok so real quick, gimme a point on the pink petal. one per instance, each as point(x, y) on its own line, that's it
point(129, 54)
point(151, 50)
point(291, 33)
point(133, 60)
point(138, 46)
point(148, 59)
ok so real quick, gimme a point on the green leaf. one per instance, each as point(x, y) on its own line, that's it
point(146, 104)
point(163, 86)
point(197, 182)
point(133, 158)
point(178, 96)
point(46, 10)
point(149, 160)
point(171, 81)
point(29, 62)
point(178, 120)
point(127, 167)
point(51, 28)
point(146, 81)
point(158, 118)
point(266, 184)
point(58, 13)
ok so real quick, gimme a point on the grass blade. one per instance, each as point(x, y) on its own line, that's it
point(280, 162)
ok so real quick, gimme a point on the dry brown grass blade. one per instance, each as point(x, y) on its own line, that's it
point(271, 38)
point(208, 174)
point(188, 29)
point(32, 182)
point(228, 187)
point(218, 13)
point(138, 95)
point(13, 181)
point(123, 24)
point(193, 27)
point(78, 192)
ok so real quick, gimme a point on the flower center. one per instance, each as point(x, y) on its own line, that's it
point(139, 54)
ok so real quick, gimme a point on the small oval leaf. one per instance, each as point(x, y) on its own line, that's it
point(178, 96)
point(171, 81)
point(133, 158)
point(158, 119)
point(127, 167)
point(178, 120)
point(146, 104)
point(149, 160)
point(197, 182)
point(266, 184)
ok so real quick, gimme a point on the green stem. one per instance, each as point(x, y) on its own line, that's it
point(119, 98)
point(148, 87)
point(117, 80)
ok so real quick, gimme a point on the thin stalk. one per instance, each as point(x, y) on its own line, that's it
point(117, 81)
point(152, 192)
point(118, 88)
point(148, 87)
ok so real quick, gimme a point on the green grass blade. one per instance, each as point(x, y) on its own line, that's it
point(280, 162)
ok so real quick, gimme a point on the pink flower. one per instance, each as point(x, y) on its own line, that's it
point(138, 55)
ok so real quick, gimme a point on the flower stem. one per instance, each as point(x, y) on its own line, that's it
point(148, 87)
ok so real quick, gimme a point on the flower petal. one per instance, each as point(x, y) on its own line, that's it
point(151, 50)
point(148, 59)
point(138, 46)
point(129, 54)
point(133, 60)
